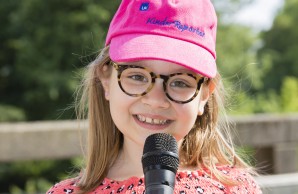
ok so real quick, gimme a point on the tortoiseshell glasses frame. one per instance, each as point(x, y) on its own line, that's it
point(139, 80)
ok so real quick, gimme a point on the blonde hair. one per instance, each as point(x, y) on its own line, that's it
point(207, 144)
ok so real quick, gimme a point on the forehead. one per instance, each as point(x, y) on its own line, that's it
point(160, 66)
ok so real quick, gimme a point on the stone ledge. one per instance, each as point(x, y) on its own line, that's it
point(61, 139)
point(40, 140)
point(281, 183)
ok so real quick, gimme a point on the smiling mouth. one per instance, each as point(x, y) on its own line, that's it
point(152, 121)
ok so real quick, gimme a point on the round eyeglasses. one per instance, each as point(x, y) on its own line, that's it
point(138, 81)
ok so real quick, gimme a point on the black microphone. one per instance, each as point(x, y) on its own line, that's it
point(160, 162)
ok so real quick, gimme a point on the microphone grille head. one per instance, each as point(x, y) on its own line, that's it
point(160, 142)
point(160, 151)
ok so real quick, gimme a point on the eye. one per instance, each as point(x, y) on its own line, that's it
point(138, 77)
point(179, 84)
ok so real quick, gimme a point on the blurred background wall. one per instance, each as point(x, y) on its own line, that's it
point(44, 46)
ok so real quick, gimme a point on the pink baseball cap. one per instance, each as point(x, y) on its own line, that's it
point(179, 31)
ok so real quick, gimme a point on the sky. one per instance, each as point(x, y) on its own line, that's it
point(260, 14)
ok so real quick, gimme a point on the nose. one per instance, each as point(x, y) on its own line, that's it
point(156, 97)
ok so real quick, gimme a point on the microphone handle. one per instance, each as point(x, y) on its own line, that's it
point(159, 181)
point(159, 189)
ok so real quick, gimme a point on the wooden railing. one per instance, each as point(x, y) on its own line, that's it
point(274, 137)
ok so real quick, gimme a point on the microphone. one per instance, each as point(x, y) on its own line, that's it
point(160, 162)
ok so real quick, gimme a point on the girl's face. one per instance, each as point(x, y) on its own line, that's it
point(138, 117)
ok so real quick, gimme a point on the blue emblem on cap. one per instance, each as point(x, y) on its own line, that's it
point(144, 6)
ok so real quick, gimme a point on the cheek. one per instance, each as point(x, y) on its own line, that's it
point(187, 115)
point(192, 109)
point(116, 98)
point(120, 105)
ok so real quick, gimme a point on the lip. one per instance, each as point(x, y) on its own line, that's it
point(152, 126)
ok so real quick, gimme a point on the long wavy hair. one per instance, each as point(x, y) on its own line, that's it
point(208, 144)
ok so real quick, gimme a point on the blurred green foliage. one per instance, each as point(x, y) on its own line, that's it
point(45, 44)
point(280, 47)
point(261, 68)
point(11, 113)
point(34, 176)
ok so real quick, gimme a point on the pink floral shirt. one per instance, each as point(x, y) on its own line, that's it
point(188, 182)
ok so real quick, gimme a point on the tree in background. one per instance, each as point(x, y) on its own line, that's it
point(278, 62)
point(44, 44)
point(7, 55)
point(236, 57)
point(262, 68)
point(280, 48)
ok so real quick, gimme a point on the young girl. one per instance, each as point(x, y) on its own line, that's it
point(157, 74)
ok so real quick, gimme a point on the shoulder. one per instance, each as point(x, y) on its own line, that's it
point(201, 181)
point(240, 181)
point(245, 182)
point(67, 186)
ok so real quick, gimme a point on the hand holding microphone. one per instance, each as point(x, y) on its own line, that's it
point(160, 162)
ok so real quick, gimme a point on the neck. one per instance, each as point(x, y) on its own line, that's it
point(128, 164)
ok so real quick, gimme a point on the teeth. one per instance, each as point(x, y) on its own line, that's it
point(151, 121)
point(148, 120)
point(141, 118)
point(156, 121)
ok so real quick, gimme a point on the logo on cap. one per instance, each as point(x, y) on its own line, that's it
point(144, 6)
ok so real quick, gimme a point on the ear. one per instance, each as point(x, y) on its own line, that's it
point(105, 80)
point(206, 91)
point(106, 86)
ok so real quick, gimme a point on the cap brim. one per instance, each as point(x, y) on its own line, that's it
point(134, 47)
